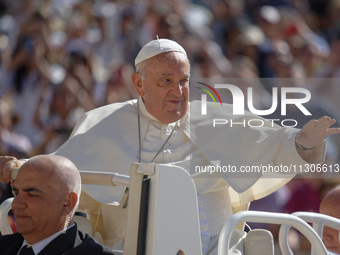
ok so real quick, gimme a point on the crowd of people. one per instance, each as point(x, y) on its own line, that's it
point(62, 58)
point(59, 59)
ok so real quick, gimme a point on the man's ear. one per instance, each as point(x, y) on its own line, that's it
point(70, 203)
point(137, 81)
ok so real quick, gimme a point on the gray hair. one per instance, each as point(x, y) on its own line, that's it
point(140, 68)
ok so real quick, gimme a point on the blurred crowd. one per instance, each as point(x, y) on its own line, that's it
point(61, 58)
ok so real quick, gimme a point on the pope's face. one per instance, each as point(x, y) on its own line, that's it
point(164, 86)
point(38, 205)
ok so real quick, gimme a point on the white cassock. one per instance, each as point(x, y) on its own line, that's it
point(106, 139)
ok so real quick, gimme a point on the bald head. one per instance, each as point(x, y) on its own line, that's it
point(330, 204)
point(47, 190)
point(57, 170)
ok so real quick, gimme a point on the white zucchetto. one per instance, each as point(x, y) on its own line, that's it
point(156, 47)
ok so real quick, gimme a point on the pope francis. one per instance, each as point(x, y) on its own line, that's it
point(161, 126)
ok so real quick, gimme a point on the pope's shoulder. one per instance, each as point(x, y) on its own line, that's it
point(106, 110)
point(104, 114)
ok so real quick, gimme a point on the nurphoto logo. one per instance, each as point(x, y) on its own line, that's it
point(204, 96)
point(239, 99)
point(280, 99)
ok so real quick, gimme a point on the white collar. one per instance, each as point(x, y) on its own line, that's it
point(145, 112)
point(39, 246)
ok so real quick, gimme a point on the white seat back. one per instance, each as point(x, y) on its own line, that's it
point(259, 242)
point(172, 222)
point(5, 207)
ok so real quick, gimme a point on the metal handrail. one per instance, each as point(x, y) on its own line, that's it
point(271, 218)
point(317, 219)
point(94, 178)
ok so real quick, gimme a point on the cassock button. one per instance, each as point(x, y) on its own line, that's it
point(166, 131)
point(167, 151)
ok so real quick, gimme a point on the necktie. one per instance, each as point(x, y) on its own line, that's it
point(26, 251)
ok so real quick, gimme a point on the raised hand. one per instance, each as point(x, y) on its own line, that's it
point(7, 163)
point(315, 131)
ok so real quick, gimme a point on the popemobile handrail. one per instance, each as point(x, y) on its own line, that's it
point(94, 178)
point(318, 221)
point(272, 218)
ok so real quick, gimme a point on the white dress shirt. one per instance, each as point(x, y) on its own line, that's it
point(39, 246)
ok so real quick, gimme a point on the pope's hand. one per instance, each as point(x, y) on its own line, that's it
point(315, 131)
point(7, 164)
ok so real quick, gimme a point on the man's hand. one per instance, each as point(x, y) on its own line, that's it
point(315, 131)
point(7, 164)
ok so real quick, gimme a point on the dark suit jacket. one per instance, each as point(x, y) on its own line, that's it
point(73, 242)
